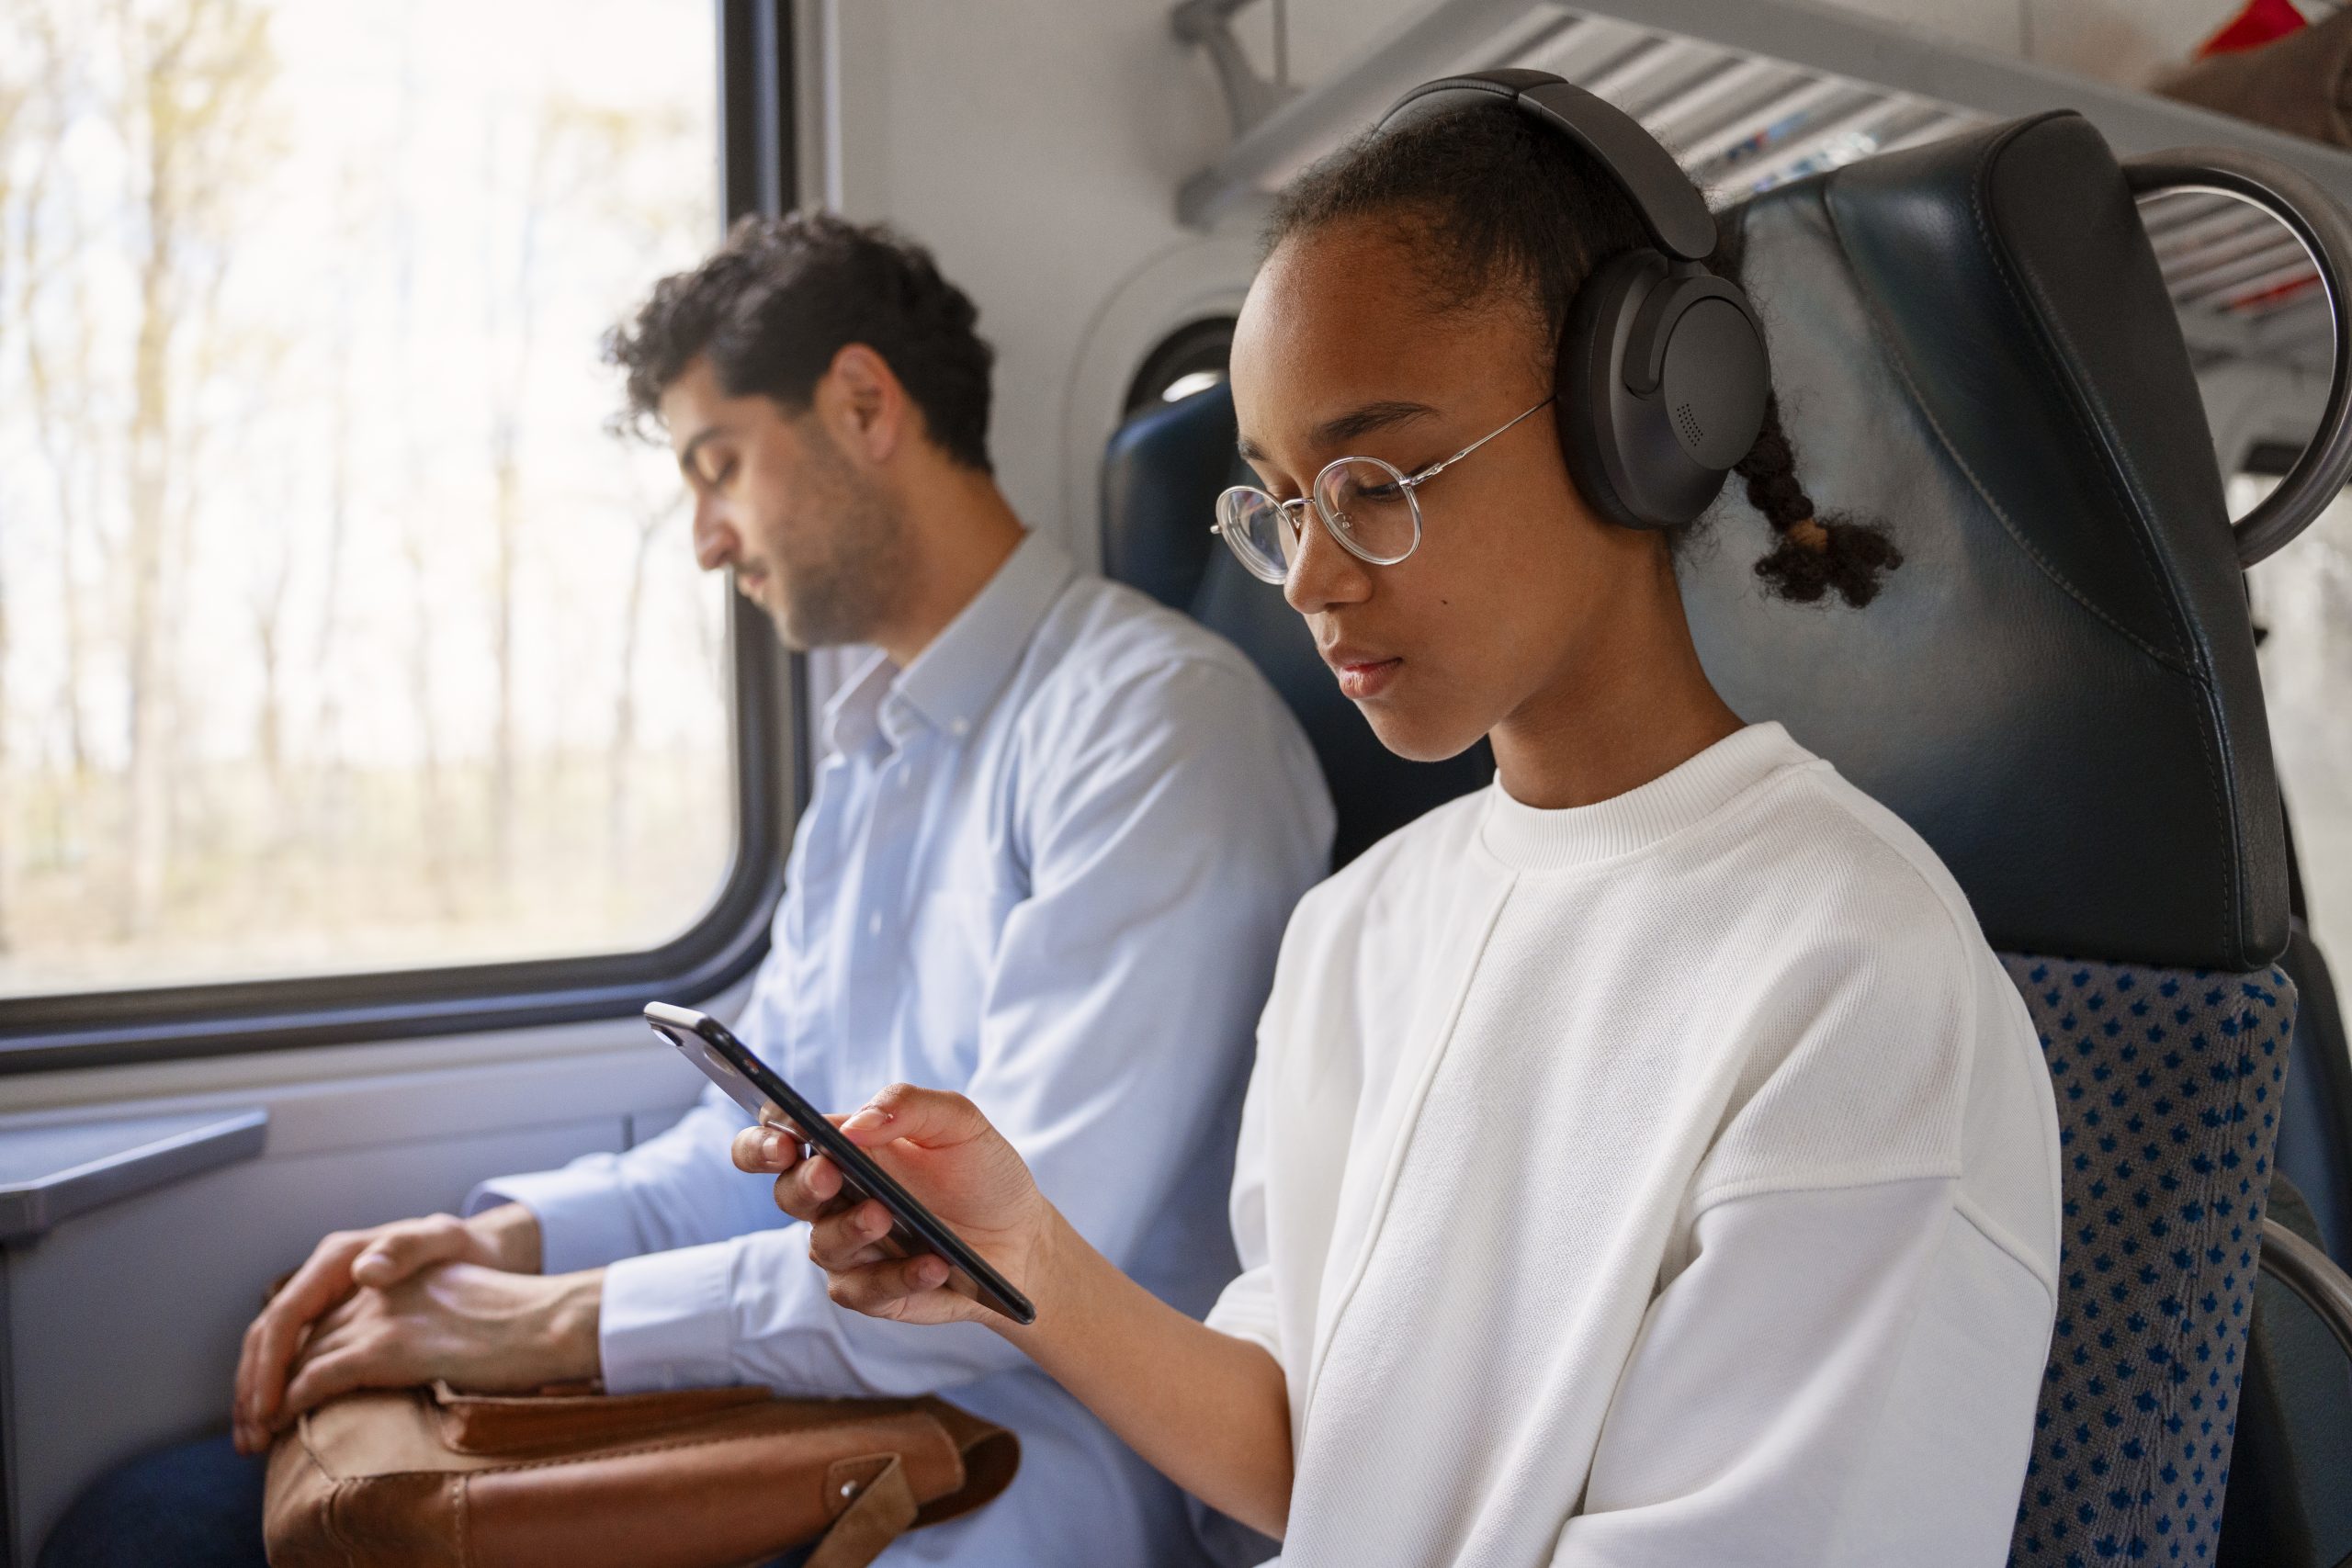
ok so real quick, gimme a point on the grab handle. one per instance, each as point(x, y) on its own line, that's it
point(2326, 234)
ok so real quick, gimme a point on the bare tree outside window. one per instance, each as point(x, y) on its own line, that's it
point(337, 631)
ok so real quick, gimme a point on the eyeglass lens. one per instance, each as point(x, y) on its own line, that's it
point(1259, 532)
point(1367, 504)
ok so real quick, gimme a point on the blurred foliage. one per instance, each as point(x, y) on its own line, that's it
point(336, 630)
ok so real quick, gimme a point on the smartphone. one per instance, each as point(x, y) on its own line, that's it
point(759, 1089)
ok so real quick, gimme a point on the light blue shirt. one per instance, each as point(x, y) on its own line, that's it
point(1047, 865)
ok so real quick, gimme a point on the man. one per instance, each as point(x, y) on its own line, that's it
point(1055, 835)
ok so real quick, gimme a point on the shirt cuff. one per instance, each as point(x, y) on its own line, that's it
point(667, 1321)
point(1246, 1310)
point(584, 1223)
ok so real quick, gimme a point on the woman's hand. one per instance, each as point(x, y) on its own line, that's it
point(941, 1150)
point(1210, 1410)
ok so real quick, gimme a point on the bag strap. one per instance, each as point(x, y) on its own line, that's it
point(879, 1515)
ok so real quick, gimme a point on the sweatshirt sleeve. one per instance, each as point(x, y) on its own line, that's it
point(1832, 1380)
point(1246, 1308)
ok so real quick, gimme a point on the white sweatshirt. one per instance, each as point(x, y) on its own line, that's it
point(1667, 1182)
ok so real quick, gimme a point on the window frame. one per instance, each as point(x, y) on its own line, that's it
point(757, 158)
point(1179, 351)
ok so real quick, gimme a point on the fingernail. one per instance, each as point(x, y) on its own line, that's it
point(866, 1121)
point(931, 1271)
point(771, 1145)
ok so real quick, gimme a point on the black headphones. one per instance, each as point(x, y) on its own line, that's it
point(1662, 374)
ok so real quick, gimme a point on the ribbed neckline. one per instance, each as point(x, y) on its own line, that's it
point(1532, 839)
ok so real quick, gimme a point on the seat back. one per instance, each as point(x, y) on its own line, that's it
point(2289, 1505)
point(1160, 481)
point(2058, 691)
point(2316, 1122)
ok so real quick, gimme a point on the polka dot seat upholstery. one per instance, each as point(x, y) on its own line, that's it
point(2168, 1084)
point(1971, 341)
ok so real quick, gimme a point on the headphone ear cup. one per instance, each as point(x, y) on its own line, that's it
point(1591, 363)
point(1657, 459)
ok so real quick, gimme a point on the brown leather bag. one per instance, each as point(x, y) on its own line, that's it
point(703, 1478)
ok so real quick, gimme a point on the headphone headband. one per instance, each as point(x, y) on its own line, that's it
point(1661, 373)
point(1670, 207)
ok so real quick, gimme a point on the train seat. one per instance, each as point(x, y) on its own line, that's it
point(2316, 1122)
point(2058, 691)
point(1161, 479)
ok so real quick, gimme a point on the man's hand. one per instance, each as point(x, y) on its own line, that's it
point(944, 1151)
point(506, 1238)
point(482, 1329)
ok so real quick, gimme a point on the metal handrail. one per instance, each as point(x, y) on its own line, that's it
point(2313, 1276)
point(2324, 231)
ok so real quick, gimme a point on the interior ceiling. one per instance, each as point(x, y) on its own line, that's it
point(1742, 122)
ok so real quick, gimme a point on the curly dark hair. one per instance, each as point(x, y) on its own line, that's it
point(773, 305)
point(1491, 202)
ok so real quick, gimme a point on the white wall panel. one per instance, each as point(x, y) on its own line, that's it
point(125, 1322)
point(1036, 147)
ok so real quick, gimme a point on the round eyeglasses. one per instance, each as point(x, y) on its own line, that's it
point(1368, 505)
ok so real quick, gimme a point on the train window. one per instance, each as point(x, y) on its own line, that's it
point(1190, 359)
point(340, 632)
point(2302, 600)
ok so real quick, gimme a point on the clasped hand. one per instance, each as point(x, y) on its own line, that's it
point(941, 1149)
point(407, 1303)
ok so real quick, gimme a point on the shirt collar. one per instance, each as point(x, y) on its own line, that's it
point(852, 713)
point(1533, 838)
point(952, 681)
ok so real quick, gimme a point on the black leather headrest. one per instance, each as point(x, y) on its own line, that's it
point(2058, 688)
point(1971, 341)
point(1160, 481)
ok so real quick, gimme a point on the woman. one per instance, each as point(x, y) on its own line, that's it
point(1646, 1161)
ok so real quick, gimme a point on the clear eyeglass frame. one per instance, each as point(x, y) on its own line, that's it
point(1242, 505)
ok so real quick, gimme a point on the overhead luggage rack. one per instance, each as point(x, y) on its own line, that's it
point(1752, 93)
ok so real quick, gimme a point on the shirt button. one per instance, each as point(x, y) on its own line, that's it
point(874, 924)
point(960, 726)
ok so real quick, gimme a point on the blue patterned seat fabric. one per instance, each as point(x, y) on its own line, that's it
point(2169, 1087)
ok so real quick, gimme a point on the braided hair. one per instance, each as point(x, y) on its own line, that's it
point(1490, 205)
point(1816, 551)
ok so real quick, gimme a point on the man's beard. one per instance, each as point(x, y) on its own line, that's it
point(844, 595)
